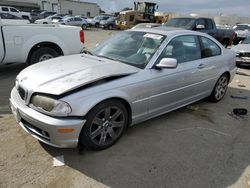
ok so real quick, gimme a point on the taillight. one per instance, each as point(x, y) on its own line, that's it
point(82, 36)
point(234, 35)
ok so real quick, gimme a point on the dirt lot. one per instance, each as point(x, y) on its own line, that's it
point(196, 146)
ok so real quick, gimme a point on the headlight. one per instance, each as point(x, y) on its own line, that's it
point(50, 106)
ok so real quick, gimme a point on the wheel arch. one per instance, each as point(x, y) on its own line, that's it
point(228, 74)
point(45, 44)
point(123, 101)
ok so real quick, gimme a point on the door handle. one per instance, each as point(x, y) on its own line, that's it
point(201, 66)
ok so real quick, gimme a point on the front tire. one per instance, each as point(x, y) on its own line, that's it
point(84, 26)
point(105, 124)
point(42, 54)
point(97, 25)
point(220, 88)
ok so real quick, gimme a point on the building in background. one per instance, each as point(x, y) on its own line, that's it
point(79, 8)
point(49, 5)
point(73, 7)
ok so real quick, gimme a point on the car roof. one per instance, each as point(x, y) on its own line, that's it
point(244, 24)
point(163, 30)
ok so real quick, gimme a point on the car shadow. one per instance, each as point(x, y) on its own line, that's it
point(199, 145)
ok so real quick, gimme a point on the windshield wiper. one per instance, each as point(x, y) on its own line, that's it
point(110, 58)
point(103, 56)
point(86, 51)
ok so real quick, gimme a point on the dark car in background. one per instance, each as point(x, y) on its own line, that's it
point(109, 23)
point(205, 25)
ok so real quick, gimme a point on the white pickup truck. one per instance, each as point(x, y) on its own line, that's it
point(33, 43)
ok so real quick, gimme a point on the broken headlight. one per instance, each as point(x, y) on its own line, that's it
point(50, 106)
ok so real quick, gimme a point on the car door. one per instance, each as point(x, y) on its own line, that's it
point(15, 12)
point(70, 21)
point(211, 63)
point(172, 88)
point(78, 21)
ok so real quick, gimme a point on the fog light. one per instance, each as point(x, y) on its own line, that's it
point(65, 130)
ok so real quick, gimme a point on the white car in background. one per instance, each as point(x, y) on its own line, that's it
point(74, 21)
point(31, 43)
point(48, 20)
point(88, 20)
point(242, 31)
point(15, 12)
point(242, 51)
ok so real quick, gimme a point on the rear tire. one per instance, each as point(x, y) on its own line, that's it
point(225, 43)
point(105, 124)
point(97, 25)
point(110, 27)
point(84, 26)
point(220, 88)
point(42, 54)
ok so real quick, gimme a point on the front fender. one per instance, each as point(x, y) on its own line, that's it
point(82, 105)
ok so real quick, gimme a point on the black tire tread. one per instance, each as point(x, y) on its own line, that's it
point(84, 138)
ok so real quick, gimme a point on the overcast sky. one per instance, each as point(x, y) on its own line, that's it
point(238, 7)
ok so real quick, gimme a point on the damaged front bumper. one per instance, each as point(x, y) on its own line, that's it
point(43, 127)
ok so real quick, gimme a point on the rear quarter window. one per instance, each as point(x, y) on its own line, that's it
point(209, 48)
point(6, 9)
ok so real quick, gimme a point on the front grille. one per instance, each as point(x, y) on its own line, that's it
point(21, 92)
point(244, 54)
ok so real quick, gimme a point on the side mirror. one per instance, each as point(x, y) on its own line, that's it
point(200, 27)
point(167, 63)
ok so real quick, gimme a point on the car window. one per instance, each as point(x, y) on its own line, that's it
point(78, 19)
point(200, 22)
point(209, 48)
point(209, 24)
point(183, 49)
point(241, 27)
point(6, 9)
point(13, 10)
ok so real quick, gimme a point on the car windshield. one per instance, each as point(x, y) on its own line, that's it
point(96, 18)
point(180, 22)
point(246, 41)
point(49, 18)
point(130, 47)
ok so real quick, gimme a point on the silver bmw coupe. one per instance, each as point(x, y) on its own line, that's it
point(139, 74)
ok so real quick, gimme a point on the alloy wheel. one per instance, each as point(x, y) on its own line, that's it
point(107, 125)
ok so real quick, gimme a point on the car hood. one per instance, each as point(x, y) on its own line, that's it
point(63, 74)
point(241, 48)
